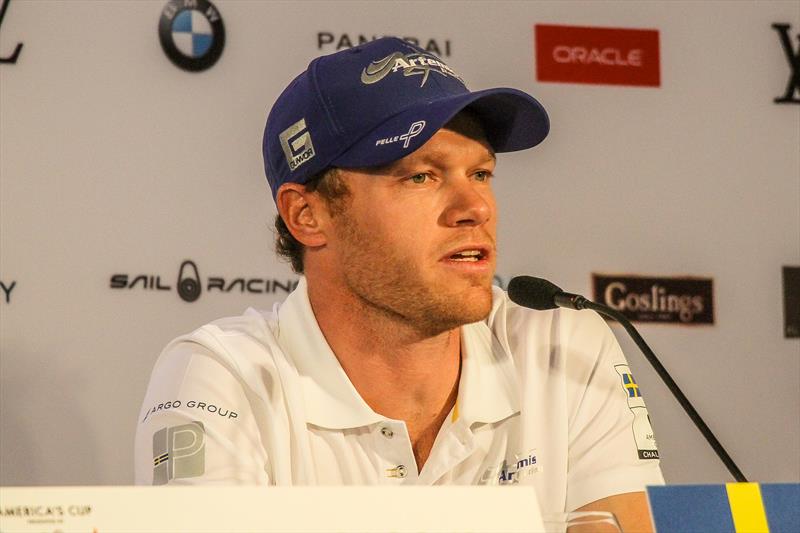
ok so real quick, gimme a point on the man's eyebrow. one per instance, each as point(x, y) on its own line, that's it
point(435, 157)
point(432, 158)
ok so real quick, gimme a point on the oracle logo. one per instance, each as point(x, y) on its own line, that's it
point(606, 56)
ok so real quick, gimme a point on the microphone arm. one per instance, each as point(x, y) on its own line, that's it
point(575, 301)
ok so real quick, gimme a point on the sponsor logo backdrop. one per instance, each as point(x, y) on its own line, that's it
point(606, 56)
point(134, 206)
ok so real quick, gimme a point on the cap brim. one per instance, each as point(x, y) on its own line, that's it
point(512, 120)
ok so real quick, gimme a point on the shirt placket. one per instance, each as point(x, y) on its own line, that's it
point(395, 454)
point(456, 445)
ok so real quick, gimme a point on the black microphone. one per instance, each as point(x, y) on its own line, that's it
point(540, 294)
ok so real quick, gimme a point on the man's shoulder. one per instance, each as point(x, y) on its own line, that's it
point(509, 319)
point(237, 342)
point(510, 316)
point(255, 323)
point(215, 383)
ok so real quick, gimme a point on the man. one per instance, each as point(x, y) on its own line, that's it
point(395, 361)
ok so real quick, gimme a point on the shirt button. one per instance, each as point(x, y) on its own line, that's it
point(398, 471)
point(386, 432)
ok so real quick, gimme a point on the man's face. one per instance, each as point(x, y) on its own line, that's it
point(416, 239)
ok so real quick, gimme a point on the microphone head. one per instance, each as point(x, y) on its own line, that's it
point(534, 293)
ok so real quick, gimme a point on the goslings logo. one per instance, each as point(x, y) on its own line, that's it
point(179, 452)
point(792, 93)
point(415, 129)
point(191, 33)
point(667, 300)
point(296, 144)
point(415, 64)
point(610, 56)
point(6, 287)
point(327, 40)
point(15, 54)
point(190, 284)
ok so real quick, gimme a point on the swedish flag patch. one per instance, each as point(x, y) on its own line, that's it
point(631, 386)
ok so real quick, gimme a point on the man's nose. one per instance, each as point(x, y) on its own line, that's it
point(469, 204)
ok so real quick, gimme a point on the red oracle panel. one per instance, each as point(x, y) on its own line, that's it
point(607, 56)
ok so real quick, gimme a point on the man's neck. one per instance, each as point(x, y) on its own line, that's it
point(401, 372)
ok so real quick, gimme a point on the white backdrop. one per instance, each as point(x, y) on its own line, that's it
point(114, 161)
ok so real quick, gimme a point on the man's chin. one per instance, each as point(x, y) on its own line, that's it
point(478, 304)
point(461, 308)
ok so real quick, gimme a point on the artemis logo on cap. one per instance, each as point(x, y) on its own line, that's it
point(411, 64)
point(296, 143)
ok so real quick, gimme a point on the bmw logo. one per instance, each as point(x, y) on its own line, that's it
point(191, 33)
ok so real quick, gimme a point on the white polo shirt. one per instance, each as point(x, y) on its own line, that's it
point(545, 398)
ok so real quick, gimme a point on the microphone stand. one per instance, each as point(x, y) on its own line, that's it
point(576, 301)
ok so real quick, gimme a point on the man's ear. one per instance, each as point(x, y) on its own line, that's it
point(303, 212)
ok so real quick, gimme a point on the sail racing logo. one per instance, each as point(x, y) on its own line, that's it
point(190, 285)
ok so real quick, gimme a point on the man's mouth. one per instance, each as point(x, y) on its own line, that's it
point(468, 255)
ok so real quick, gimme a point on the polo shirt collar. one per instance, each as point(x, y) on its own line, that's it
point(488, 389)
point(331, 400)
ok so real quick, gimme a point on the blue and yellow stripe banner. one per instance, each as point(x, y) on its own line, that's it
point(730, 508)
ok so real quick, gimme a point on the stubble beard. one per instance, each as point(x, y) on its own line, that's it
point(391, 285)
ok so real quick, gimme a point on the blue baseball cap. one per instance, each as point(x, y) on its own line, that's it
point(378, 102)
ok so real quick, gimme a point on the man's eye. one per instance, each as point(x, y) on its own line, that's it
point(419, 178)
point(483, 175)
